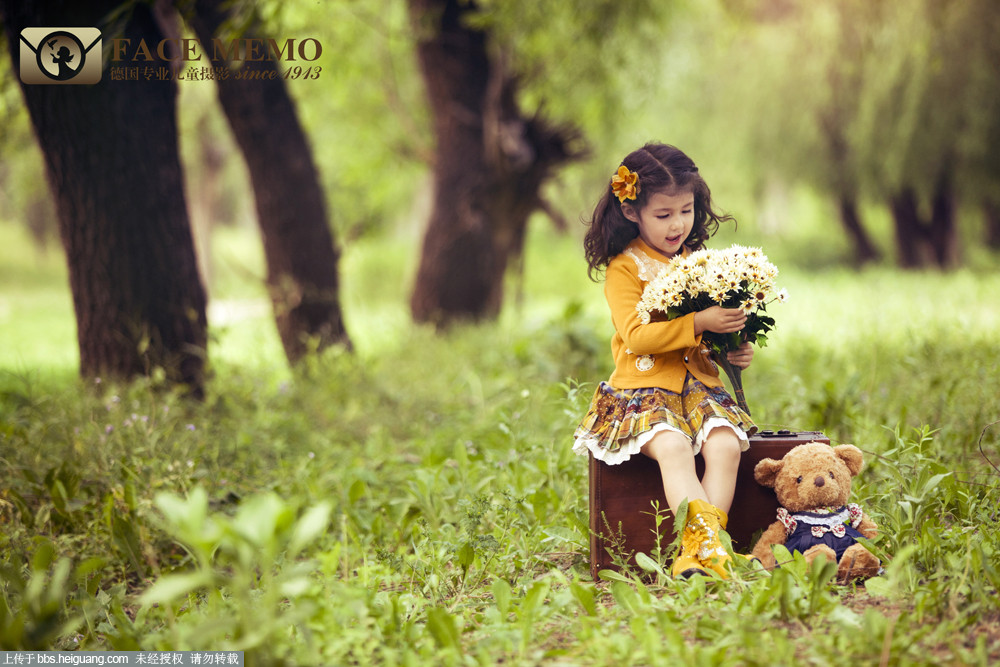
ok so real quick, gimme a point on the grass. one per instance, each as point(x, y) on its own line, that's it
point(417, 502)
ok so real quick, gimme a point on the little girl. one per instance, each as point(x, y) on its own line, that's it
point(665, 399)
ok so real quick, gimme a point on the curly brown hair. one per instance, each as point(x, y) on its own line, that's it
point(661, 168)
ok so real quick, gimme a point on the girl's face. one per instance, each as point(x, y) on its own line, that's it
point(665, 222)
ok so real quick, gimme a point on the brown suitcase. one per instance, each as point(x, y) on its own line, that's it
point(621, 497)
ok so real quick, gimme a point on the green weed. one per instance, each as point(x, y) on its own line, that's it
point(417, 502)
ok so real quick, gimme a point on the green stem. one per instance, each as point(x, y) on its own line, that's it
point(735, 375)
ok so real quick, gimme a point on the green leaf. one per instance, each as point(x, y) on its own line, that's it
point(44, 554)
point(612, 575)
point(260, 519)
point(466, 555)
point(189, 514)
point(844, 617)
point(626, 597)
point(174, 587)
point(502, 596)
point(443, 628)
point(89, 566)
point(129, 494)
point(357, 491)
point(296, 586)
point(879, 587)
point(781, 553)
point(585, 596)
point(127, 540)
point(60, 498)
point(821, 571)
point(932, 483)
point(535, 597)
point(647, 563)
point(680, 517)
point(310, 526)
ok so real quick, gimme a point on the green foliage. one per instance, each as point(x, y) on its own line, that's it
point(600, 51)
point(776, 102)
point(418, 501)
point(797, 590)
point(33, 609)
point(246, 587)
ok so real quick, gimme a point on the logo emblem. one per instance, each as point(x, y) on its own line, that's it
point(61, 55)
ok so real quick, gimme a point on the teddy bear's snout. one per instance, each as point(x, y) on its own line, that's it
point(819, 481)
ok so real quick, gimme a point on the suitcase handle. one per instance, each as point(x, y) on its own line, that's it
point(783, 433)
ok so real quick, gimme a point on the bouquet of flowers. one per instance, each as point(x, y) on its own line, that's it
point(735, 277)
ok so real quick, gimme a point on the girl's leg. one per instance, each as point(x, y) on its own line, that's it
point(721, 452)
point(672, 451)
point(701, 549)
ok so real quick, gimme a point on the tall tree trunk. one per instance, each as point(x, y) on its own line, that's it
point(942, 230)
point(909, 232)
point(991, 216)
point(112, 162)
point(489, 165)
point(302, 259)
point(864, 249)
point(921, 242)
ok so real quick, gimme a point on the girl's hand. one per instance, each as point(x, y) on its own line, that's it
point(719, 320)
point(742, 356)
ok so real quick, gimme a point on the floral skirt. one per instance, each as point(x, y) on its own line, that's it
point(621, 421)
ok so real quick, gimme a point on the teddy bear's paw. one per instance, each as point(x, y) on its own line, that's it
point(857, 563)
point(820, 551)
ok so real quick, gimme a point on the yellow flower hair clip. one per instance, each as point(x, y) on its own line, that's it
point(625, 184)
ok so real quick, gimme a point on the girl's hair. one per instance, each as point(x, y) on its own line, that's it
point(661, 168)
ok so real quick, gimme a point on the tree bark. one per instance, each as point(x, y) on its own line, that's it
point(942, 230)
point(864, 250)
point(302, 259)
point(490, 163)
point(991, 216)
point(112, 162)
point(909, 232)
point(926, 242)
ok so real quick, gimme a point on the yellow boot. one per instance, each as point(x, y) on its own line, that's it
point(688, 563)
point(705, 522)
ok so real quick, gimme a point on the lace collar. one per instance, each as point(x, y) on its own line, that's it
point(829, 520)
point(648, 261)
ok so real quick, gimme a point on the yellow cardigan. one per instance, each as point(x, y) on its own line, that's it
point(657, 354)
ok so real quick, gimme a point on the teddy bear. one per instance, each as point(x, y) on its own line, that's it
point(813, 482)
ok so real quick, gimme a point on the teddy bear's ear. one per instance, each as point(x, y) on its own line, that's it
point(852, 456)
point(766, 472)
